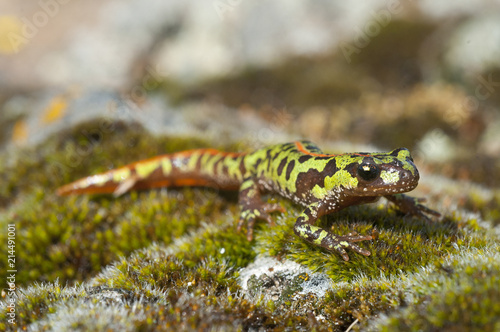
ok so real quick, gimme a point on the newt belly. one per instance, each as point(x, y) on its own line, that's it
point(299, 171)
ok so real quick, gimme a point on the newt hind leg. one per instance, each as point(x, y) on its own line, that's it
point(252, 207)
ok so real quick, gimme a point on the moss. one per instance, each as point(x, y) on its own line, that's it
point(82, 234)
point(36, 301)
point(164, 292)
point(454, 297)
point(91, 147)
point(401, 244)
point(175, 255)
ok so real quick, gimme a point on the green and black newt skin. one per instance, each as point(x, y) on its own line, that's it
point(299, 171)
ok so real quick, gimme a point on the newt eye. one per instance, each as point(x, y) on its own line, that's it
point(368, 172)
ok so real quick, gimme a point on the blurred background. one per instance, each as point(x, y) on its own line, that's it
point(374, 75)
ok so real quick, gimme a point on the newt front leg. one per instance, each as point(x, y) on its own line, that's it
point(412, 206)
point(304, 227)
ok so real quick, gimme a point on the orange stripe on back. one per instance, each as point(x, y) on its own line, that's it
point(302, 149)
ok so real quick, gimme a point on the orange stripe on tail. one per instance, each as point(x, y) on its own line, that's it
point(111, 182)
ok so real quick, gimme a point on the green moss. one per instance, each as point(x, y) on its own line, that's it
point(175, 255)
point(81, 234)
point(164, 292)
point(214, 247)
point(454, 297)
point(401, 243)
point(36, 301)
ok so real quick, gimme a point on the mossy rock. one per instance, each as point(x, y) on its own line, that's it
point(171, 258)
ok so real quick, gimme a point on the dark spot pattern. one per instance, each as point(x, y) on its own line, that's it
point(225, 170)
point(257, 163)
point(216, 164)
point(243, 169)
point(304, 158)
point(288, 147)
point(330, 168)
point(304, 183)
point(396, 152)
point(289, 169)
point(268, 159)
point(311, 147)
point(281, 166)
point(198, 163)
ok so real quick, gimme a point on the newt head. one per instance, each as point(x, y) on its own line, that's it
point(373, 174)
point(380, 174)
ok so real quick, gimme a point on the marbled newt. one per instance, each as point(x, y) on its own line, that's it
point(299, 171)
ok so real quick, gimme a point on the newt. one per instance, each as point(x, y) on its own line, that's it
point(299, 171)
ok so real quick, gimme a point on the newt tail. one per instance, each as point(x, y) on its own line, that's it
point(199, 167)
